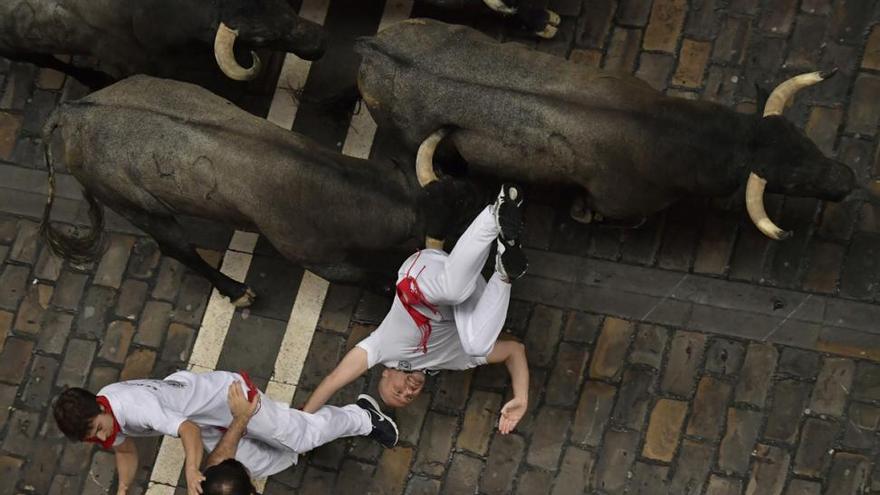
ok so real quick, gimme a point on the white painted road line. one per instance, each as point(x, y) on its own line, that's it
point(362, 130)
point(236, 261)
point(219, 312)
point(310, 297)
point(294, 72)
point(297, 337)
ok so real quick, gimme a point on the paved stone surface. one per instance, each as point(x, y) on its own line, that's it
point(688, 356)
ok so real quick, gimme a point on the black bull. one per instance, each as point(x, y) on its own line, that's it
point(160, 37)
point(153, 149)
point(631, 151)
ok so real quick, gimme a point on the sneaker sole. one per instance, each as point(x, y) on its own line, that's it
point(378, 409)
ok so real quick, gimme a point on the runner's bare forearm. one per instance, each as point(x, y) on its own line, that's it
point(228, 444)
point(513, 355)
point(191, 437)
point(353, 365)
point(126, 464)
point(518, 367)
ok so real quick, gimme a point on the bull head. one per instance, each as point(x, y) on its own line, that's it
point(263, 23)
point(800, 169)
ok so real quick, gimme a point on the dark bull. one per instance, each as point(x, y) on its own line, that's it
point(158, 37)
point(521, 114)
point(154, 149)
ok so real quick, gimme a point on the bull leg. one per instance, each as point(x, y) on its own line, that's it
point(537, 18)
point(544, 23)
point(94, 79)
point(172, 242)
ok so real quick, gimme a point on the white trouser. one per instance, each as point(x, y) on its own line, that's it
point(280, 426)
point(479, 312)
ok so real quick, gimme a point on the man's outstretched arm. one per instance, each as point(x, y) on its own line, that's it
point(353, 365)
point(241, 410)
point(513, 355)
point(126, 464)
point(191, 438)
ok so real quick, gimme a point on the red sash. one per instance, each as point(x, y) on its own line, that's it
point(410, 295)
point(108, 442)
point(252, 391)
point(251, 388)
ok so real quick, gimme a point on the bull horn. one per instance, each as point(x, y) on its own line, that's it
point(224, 40)
point(783, 93)
point(425, 157)
point(755, 206)
point(775, 105)
point(425, 172)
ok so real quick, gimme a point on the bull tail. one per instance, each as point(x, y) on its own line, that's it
point(77, 249)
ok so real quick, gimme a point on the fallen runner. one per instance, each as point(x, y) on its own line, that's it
point(231, 464)
point(447, 317)
point(193, 406)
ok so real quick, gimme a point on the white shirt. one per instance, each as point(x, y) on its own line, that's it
point(395, 343)
point(260, 459)
point(145, 408)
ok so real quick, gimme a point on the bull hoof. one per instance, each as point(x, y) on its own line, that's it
point(548, 32)
point(551, 26)
point(245, 300)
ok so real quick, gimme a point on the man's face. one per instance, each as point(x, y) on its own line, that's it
point(102, 427)
point(398, 388)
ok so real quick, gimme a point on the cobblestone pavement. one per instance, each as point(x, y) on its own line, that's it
point(690, 356)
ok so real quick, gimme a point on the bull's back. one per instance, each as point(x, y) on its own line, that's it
point(62, 26)
point(420, 73)
point(461, 55)
point(170, 148)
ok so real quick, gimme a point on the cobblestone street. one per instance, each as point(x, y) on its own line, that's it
point(689, 356)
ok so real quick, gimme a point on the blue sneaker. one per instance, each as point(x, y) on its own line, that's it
point(384, 428)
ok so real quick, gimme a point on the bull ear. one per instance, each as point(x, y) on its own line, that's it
point(761, 95)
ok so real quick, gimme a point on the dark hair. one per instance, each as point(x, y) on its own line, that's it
point(74, 410)
point(227, 478)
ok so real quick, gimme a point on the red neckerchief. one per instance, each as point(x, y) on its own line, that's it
point(108, 442)
point(410, 295)
point(252, 391)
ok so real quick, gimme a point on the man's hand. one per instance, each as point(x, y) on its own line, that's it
point(238, 403)
point(194, 480)
point(513, 355)
point(511, 413)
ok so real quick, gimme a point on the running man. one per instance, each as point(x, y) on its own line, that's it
point(193, 406)
point(447, 317)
